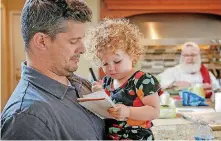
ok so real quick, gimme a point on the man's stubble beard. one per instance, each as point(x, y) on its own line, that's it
point(70, 72)
point(69, 69)
point(63, 70)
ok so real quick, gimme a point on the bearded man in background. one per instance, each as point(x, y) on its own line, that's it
point(189, 71)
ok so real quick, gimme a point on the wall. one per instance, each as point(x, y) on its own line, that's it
point(9, 6)
point(84, 64)
point(164, 32)
point(158, 58)
point(178, 28)
point(1, 39)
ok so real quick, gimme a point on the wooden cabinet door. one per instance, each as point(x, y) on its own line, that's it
point(16, 48)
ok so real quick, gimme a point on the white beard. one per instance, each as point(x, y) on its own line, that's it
point(190, 68)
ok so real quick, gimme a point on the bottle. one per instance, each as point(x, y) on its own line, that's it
point(204, 132)
point(218, 102)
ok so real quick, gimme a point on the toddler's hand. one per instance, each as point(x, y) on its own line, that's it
point(97, 86)
point(120, 112)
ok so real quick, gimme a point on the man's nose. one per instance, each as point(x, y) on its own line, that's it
point(82, 48)
point(190, 60)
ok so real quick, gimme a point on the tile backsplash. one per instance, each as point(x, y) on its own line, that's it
point(157, 58)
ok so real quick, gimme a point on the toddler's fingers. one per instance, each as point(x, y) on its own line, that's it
point(97, 87)
point(114, 109)
point(95, 83)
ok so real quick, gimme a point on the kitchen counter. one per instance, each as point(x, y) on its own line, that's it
point(179, 128)
point(179, 132)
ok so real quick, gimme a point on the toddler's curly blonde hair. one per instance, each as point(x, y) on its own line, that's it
point(110, 35)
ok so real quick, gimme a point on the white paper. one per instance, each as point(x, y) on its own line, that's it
point(99, 107)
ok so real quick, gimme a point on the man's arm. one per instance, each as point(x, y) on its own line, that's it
point(182, 84)
point(166, 78)
point(25, 127)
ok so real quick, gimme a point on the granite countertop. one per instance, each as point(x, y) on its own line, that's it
point(179, 132)
point(178, 128)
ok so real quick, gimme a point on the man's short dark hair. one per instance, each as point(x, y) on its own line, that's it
point(48, 16)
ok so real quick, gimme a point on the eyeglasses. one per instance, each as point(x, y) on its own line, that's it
point(189, 55)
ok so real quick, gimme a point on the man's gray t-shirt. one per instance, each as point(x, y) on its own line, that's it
point(42, 108)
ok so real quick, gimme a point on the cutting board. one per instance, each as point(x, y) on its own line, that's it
point(213, 119)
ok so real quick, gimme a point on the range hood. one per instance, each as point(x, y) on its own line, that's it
point(175, 29)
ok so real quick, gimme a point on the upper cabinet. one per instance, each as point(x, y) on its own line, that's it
point(126, 8)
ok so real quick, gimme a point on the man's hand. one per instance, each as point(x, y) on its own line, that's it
point(207, 87)
point(97, 86)
point(181, 84)
point(120, 112)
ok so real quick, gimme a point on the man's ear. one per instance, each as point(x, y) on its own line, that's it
point(40, 40)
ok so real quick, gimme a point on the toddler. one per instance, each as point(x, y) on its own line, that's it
point(114, 45)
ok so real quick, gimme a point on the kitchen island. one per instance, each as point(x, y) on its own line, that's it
point(181, 129)
point(178, 131)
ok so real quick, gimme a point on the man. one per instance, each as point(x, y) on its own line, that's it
point(189, 71)
point(44, 104)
